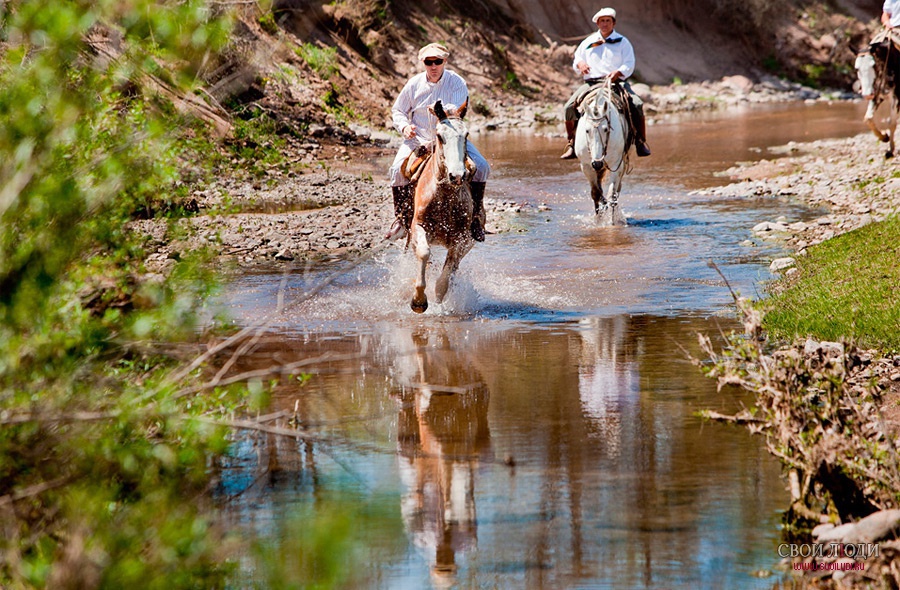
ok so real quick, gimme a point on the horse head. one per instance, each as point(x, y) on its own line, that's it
point(452, 134)
point(596, 112)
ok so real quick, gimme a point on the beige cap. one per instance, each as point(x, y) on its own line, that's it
point(604, 12)
point(434, 50)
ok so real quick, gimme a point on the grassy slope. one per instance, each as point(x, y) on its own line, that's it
point(846, 288)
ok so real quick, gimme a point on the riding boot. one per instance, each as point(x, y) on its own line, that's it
point(569, 153)
point(640, 139)
point(403, 210)
point(477, 210)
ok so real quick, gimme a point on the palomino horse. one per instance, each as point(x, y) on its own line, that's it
point(601, 143)
point(443, 209)
point(878, 70)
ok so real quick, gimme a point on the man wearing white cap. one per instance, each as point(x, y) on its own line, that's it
point(605, 54)
point(416, 125)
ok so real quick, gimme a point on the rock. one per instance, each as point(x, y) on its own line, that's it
point(643, 91)
point(741, 84)
point(829, 349)
point(880, 526)
point(284, 255)
point(780, 264)
point(768, 226)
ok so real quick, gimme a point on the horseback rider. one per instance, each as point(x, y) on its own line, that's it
point(416, 125)
point(605, 54)
point(890, 14)
point(878, 46)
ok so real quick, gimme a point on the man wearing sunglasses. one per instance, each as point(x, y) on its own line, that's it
point(605, 54)
point(416, 125)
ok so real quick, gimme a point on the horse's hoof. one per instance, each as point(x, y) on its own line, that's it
point(419, 306)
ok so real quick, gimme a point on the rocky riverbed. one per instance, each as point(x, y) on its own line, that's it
point(336, 201)
point(849, 179)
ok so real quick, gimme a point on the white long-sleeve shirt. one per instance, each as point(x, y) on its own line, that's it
point(411, 106)
point(605, 57)
point(892, 7)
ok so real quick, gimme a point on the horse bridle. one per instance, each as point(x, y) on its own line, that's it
point(607, 127)
point(469, 170)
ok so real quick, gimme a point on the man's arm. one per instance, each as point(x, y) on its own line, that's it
point(400, 112)
point(579, 63)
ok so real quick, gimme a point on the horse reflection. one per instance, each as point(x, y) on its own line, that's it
point(443, 435)
point(609, 376)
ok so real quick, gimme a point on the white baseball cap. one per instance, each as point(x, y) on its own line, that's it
point(604, 12)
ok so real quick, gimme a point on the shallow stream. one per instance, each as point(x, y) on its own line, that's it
point(539, 429)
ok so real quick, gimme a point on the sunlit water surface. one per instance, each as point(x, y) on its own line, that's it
point(539, 428)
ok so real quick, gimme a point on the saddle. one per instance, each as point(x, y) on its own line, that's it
point(414, 163)
point(884, 36)
point(622, 103)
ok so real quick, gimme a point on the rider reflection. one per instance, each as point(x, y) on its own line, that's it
point(443, 434)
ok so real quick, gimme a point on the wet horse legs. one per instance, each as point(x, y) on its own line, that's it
point(420, 245)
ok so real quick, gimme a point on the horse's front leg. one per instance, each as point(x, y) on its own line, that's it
point(892, 130)
point(419, 241)
point(594, 179)
point(599, 199)
point(615, 211)
point(614, 186)
point(454, 256)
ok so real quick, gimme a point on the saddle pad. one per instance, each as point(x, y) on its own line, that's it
point(886, 34)
point(618, 98)
point(415, 162)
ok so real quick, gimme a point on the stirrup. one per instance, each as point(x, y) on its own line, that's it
point(397, 230)
point(642, 149)
point(569, 154)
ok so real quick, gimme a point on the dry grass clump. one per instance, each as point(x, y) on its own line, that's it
point(818, 405)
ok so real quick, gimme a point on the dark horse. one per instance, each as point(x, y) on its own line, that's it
point(878, 69)
point(443, 207)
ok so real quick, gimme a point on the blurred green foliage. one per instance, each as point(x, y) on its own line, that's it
point(107, 441)
point(102, 469)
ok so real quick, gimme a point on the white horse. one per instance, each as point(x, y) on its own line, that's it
point(601, 146)
point(878, 69)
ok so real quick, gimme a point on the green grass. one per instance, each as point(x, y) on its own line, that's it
point(847, 288)
point(323, 60)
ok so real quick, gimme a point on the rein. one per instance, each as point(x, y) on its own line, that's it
point(606, 93)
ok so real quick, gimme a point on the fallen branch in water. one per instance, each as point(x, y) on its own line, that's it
point(741, 418)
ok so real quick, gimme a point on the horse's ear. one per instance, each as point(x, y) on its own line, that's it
point(461, 111)
point(438, 111)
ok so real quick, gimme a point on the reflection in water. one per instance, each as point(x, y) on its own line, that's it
point(561, 352)
point(442, 434)
point(607, 477)
point(609, 376)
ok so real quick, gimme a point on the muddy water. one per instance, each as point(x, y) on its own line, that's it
point(539, 428)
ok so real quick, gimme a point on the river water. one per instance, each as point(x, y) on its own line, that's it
point(539, 429)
